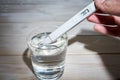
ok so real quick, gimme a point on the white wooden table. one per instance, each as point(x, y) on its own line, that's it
point(90, 56)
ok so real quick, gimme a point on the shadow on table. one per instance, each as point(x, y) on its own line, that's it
point(111, 61)
point(26, 58)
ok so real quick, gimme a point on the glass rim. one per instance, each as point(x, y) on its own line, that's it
point(64, 36)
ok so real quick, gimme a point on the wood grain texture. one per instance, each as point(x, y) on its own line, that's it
point(85, 67)
point(23, 11)
point(90, 56)
point(17, 45)
point(43, 12)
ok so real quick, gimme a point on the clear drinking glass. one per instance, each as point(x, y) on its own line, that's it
point(47, 60)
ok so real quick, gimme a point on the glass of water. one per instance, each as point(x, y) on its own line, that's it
point(47, 60)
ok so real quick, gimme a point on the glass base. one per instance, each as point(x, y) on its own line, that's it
point(50, 74)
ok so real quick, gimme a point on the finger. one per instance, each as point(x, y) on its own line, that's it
point(100, 28)
point(102, 19)
point(107, 30)
point(93, 18)
point(108, 6)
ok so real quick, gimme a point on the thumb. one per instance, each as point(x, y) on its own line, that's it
point(108, 6)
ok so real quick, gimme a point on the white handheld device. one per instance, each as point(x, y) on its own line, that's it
point(80, 16)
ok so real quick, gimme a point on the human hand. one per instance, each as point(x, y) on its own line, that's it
point(107, 24)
